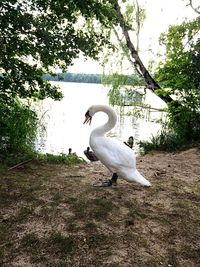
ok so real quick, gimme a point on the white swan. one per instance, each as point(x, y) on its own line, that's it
point(116, 156)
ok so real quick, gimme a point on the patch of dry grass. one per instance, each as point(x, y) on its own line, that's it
point(52, 216)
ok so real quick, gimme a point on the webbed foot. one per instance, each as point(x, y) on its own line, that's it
point(105, 183)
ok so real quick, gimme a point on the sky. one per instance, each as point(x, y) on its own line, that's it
point(159, 15)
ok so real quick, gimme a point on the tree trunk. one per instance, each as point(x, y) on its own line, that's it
point(140, 68)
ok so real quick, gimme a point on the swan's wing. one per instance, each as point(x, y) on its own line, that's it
point(113, 154)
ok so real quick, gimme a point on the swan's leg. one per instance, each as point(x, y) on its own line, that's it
point(114, 178)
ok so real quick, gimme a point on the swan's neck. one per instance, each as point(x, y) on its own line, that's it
point(112, 119)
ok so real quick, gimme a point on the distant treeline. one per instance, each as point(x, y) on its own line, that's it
point(74, 77)
point(91, 78)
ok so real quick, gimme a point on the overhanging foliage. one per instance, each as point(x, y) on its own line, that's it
point(37, 36)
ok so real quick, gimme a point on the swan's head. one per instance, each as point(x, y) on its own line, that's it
point(88, 115)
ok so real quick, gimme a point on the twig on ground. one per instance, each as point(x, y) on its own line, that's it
point(19, 164)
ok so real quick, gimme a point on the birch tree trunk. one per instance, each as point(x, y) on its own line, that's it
point(138, 64)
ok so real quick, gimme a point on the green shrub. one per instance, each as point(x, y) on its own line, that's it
point(180, 131)
point(185, 121)
point(18, 127)
point(164, 141)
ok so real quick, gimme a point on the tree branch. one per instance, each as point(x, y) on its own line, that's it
point(195, 9)
point(138, 24)
point(151, 83)
point(19, 164)
point(127, 54)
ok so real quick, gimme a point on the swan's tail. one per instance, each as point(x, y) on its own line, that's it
point(137, 177)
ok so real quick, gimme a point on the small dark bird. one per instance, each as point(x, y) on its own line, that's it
point(90, 155)
point(130, 142)
point(70, 152)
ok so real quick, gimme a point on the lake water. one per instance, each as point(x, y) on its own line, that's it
point(64, 119)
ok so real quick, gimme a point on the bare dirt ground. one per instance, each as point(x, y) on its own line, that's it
point(51, 215)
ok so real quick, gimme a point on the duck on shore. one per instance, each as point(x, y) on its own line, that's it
point(71, 153)
point(90, 154)
point(130, 142)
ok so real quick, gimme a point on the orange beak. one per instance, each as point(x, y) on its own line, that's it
point(88, 119)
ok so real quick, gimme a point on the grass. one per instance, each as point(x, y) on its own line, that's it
point(12, 159)
point(93, 208)
point(164, 141)
point(60, 244)
point(90, 227)
point(61, 158)
point(50, 220)
point(30, 240)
